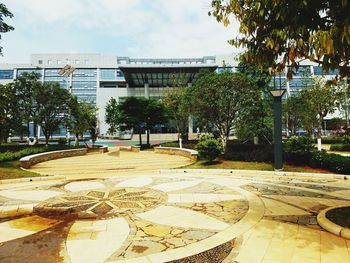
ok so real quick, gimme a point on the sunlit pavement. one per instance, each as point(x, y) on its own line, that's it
point(145, 215)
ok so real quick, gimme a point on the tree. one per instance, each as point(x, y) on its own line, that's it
point(26, 86)
point(52, 104)
point(256, 119)
point(290, 30)
point(112, 115)
point(10, 116)
point(82, 118)
point(175, 103)
point(319, 100)
point(292, 112)
point(155, 114)
point(132, 114)
point(4, 27)
point(217, 99)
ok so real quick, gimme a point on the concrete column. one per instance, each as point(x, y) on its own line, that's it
point(38, 131)
point(146, 90)
point(190, 120)
point(190, 124)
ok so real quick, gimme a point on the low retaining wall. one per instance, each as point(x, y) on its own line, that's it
point(98, 149)
point(191, 154)
point(28, 161)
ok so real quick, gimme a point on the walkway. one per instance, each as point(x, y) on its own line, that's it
point(172, 216)
point(96, 165)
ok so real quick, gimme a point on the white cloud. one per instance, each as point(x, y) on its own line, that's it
point(140, 28)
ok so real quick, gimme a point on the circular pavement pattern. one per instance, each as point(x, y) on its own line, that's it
point(189, 217)
point(101, 203)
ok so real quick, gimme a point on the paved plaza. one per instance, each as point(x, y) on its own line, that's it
point(147, 215)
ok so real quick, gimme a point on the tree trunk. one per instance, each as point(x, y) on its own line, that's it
point(47, 137)
point(76, 140)
point(140, 137)
point(148, 132)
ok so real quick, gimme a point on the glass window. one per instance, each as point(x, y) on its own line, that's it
point(21, 71)
point(77, 62)
point(40, 61)
point(319, 71)
point(59, 62)
point(84, 75)
point(49, 62)
point(6, 74)
point(108, 74)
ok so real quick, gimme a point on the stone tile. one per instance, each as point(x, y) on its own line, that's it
point(22, 227)
point(82, 186)
point(136, 182)
point(37, 195)
point(169, 187)
point(98, 243)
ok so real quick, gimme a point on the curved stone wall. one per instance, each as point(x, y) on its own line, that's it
point(191, 154)
point(28, 161)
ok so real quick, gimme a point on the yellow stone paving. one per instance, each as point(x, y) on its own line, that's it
point(261, 237)
point(98, 165)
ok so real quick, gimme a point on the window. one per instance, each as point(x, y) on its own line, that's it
point(77, 62)
point(59, 62)
point(6, 74)
point(49, 62)
point(108, 74)
point(40, 61)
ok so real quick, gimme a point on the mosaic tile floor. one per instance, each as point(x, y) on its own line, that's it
point(171, 217)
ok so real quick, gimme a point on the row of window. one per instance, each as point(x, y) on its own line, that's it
point(66, 62)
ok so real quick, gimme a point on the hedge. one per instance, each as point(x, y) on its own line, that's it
point(249, 153)
point(340, 147)
point(330, 161)
point(16, 155)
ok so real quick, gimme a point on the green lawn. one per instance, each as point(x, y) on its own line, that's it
point(12, 170)
point(238, 165)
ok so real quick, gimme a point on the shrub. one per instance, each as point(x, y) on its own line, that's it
point(10, 156)
point(297, 150)
point(346, 140)
point(209, 148)
point(340, 147)
point(249, 152)
point(330, 161)
point(331, 140)
point(62, 141)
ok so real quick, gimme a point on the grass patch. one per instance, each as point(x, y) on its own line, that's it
point(239, 165)
point(12, 170)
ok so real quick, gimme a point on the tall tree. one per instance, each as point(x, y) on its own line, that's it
point(291, 30)
point(81, 119)
point(155, 114)
point(293, 112)
point(26, 86)
point(319, 100)
point(52, 107)
point(10, 115)
point(176, 106)
point(4, 27)
point(256, 120)
point(133, 115)
point(217, 99)
point(112, 116)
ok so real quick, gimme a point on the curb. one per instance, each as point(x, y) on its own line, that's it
point(328, 225)
point(32, 179)
point(256, 172)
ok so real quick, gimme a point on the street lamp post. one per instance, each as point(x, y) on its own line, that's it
point(67, 72)
point(277, 106)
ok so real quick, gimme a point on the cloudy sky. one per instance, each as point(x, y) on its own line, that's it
point(135, 28)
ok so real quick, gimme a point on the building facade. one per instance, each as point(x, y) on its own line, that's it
point(98, 78)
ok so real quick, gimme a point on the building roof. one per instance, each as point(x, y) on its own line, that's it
point(162, 76)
